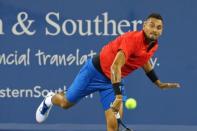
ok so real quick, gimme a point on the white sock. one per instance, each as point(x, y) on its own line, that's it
point(48, 101)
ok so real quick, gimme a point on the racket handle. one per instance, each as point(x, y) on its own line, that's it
point(117, 115)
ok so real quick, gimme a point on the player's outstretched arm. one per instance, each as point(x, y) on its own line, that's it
point(153, 77)
point(166, 85)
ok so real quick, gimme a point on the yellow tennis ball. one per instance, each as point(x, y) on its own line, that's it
point(130, 103)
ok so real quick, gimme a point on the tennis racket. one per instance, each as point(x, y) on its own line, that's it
point(121, 125)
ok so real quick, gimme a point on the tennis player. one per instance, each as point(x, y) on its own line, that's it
point(105, 72)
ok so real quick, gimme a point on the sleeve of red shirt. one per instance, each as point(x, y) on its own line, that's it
point(127, 45)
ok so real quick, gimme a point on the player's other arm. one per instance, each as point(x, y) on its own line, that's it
point(153, 77)
point(115, 70)
point(116, 66)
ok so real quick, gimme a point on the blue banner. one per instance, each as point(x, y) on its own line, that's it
point(43, 44)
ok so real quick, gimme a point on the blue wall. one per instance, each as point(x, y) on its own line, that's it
point(175, 60)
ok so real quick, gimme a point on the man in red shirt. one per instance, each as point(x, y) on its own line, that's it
point(105, 72)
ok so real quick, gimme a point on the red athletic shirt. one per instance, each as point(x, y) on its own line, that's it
point(133, 45)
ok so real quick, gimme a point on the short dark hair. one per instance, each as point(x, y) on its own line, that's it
point(155, 15)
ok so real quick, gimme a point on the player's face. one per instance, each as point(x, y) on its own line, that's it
point(153, 28)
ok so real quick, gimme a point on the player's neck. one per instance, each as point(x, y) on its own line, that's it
point(148, 40)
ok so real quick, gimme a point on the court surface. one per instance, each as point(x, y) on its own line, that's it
point(90, 127)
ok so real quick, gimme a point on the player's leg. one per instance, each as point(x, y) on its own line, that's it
point(60, 100)
point(74, 93)
point(107, 98)
point(112, 124)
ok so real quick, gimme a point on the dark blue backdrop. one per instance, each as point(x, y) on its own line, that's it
point(20, 86)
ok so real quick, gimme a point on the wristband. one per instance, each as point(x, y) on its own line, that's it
point(116, 87)
point(152, 76)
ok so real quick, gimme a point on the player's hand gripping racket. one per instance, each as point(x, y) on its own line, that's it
point(121, 125)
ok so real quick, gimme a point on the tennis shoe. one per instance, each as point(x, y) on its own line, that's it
point(43, 110)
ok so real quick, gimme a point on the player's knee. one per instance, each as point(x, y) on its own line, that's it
point(65, 104)
point(112, 124)
point(112, 127)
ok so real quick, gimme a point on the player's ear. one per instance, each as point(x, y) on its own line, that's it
point(160, 33)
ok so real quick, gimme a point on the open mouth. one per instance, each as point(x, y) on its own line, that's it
point(153, 35)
